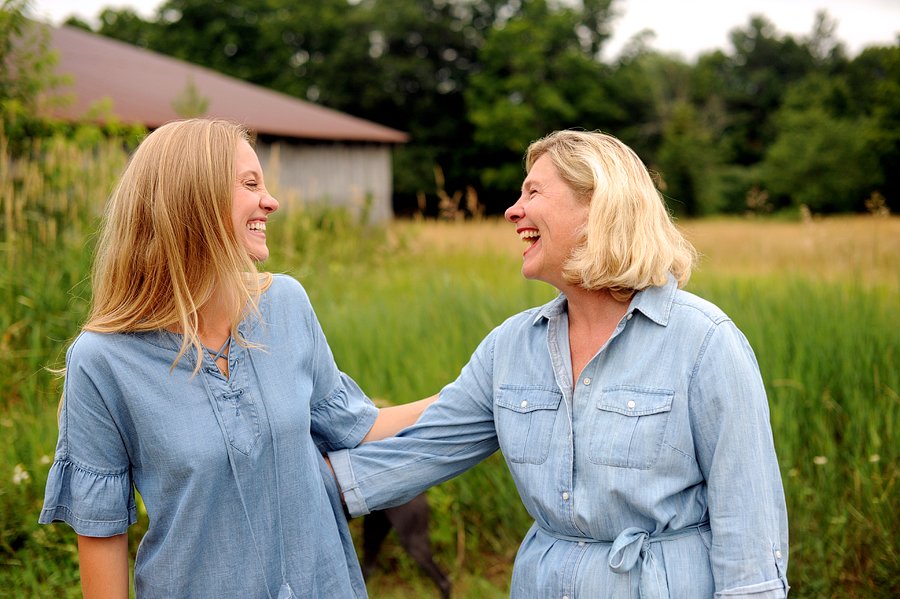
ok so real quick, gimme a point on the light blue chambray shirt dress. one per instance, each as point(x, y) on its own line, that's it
point(655, 477)
point(229, 468)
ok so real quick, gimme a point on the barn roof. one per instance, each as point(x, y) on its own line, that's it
point(142, 85)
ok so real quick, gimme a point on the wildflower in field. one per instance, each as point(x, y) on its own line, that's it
point(45, 459)
point(874, 458)
point(20, 474)
point(820, 460)
point(6, 422)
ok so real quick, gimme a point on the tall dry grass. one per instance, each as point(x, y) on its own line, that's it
point(860, 249)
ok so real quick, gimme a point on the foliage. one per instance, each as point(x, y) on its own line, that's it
point(821, 158)
point(536, 76)
point(27, 80)
point(475, 81)
point(189, 103)
point(26, 70)
point(874, 77)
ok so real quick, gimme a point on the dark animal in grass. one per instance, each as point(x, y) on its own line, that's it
point(410, 520)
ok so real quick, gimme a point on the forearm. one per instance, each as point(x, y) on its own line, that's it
point(392, 420)
point(104, 566)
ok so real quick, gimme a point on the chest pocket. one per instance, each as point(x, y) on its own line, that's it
point(525, 419)
point(628, 426)
point(240, 418)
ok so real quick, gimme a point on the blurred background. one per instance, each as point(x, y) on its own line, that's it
point(725, 104)
point(392, 133)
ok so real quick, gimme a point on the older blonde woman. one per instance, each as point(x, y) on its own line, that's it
point(630, 413)
point(209, 388)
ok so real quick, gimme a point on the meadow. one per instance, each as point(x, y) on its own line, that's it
point(403, 307)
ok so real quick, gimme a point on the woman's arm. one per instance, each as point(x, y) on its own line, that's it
point(104, 566)
point(736, 454)
point(392, 420)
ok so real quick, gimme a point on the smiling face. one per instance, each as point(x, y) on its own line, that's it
point(549, 218)
point(251, 204)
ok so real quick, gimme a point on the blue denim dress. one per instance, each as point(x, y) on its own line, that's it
point(654, 477)
point(228, 468)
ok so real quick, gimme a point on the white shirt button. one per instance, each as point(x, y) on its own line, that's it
point(565, 597)
point(631, 405)
point(524, 403)
point(778, 554)
point(581, 543)
point(628, 317)
point(566, 496)
point(587, 381)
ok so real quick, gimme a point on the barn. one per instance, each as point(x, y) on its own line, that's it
point(311, 153)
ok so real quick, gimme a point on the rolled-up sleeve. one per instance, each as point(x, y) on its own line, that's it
point(736, 453)
point(452, 435)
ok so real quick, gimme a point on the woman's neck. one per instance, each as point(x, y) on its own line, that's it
point(215, 318)
point(593, 317)
point(593, 309)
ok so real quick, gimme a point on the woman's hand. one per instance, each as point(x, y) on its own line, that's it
point(104, 566)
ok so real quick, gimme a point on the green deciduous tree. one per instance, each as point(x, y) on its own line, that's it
point(822, 157)
point(874, 77)
point(538, 73)
point(26, 72)
point(475, 81)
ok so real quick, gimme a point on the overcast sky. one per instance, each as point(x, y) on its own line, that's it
point(685, 26)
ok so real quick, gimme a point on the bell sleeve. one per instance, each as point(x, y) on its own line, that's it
point(89, 485)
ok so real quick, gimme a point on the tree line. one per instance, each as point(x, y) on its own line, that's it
point(772, 123)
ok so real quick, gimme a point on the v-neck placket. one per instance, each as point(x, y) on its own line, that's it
point(234, 400)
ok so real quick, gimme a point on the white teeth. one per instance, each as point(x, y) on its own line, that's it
point(529, 236)
point(256, 226)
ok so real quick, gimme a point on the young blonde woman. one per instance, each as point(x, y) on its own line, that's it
point(631, 414)
point(209, 388)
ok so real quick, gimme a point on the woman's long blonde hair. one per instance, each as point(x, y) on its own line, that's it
point(629, 242)
point(168, 242)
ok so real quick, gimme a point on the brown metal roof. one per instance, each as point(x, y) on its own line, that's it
point(142, 85)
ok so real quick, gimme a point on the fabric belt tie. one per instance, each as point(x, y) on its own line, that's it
point(632, 547)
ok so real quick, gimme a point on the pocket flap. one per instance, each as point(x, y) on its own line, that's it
point(635, 401)
point(523, 399)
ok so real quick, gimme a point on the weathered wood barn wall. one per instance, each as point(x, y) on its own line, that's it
point(356, 176)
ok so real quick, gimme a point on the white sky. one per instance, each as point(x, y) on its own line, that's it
point(685, 26)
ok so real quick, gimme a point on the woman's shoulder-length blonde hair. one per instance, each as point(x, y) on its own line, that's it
point(629, 242)
point(168, 242)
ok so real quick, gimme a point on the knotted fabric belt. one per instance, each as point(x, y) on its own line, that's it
point(631, 547)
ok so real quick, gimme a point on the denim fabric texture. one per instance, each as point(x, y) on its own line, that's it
point(230, 469)
point(653, 476)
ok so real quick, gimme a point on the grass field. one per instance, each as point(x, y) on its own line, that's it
point(404, 307)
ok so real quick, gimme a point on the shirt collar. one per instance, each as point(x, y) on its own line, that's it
point(554, 308)
point(654, 302)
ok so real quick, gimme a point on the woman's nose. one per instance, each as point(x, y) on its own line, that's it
point(268, 203)
point(514, 213)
